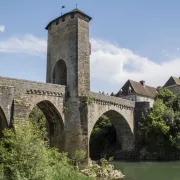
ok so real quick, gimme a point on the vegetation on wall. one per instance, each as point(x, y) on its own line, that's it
point(160, 130)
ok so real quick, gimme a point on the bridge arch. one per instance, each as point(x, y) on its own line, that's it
point(3, 122)
point(54, 123)
point(60, 73)
point(124, 133)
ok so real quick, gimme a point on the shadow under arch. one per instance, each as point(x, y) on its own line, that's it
point(54, 124)
point(60, 73)
point(3, 122)
point(124, 134)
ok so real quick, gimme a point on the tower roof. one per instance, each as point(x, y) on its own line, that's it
point(76, 10)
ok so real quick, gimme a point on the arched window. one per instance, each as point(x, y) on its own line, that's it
point(60, 73)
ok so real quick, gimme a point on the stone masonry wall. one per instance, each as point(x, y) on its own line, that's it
point(6, 101)
point(83, 57)
point(121, 113)
point(22, 86)
point(62, 45)
point(27, 94)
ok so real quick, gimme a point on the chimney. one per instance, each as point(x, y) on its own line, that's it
point(142, 82)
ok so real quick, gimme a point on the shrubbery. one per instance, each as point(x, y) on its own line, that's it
point(25, 155)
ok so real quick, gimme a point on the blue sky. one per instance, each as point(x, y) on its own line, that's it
point(132, 39)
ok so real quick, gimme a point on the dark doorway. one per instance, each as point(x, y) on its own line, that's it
point(60, 73)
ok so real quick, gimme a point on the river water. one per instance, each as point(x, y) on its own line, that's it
point(149, 170)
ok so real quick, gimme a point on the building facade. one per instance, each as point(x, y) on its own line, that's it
point(137, 91)
point(173, 84)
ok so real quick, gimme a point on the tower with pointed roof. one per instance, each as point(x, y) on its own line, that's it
point(68, 52)
point(68, 55)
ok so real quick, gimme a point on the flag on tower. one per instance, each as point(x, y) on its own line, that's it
point(63, 7)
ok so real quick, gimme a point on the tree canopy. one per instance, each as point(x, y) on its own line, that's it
point(160, 129)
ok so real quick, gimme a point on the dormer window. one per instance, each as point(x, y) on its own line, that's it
point(121, 91)
point(63, 19)
point(130, 89)
point(57, 21)
point(72, 15)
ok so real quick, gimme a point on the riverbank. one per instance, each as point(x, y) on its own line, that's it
point(102, 169)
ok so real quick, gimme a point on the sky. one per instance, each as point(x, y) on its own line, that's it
point(136, 40)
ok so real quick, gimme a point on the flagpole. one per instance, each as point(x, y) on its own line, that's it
point(62, 7)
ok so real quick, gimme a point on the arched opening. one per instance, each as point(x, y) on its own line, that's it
point(103, 138)
point(54, 122)
point(110, 134)
point(3, 122)
point(60, 73)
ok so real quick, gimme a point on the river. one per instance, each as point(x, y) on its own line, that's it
point(149, 170)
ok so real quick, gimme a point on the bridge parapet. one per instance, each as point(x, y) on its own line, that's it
point(111, 100)
point(33, 87)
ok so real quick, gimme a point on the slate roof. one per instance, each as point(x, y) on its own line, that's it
point(137, 88)
point(172, 81)
point(76, 10)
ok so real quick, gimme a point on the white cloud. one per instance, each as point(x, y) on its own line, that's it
point(110, 63)
point(116, 65)
point(28, 44)
point(2, 28)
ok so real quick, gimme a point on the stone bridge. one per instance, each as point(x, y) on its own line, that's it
point(18, 98)
point(70, 108)
point(120, 112)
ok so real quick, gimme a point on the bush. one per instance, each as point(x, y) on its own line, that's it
point(25, 155)
point(78, 156)
point(160, 129)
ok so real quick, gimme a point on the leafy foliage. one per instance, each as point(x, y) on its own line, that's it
point(36, 114)
point(103, 138)
point(78, 156)
point(160, 130)
point(25, 155)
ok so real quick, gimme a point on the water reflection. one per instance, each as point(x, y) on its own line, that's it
point(149, 170)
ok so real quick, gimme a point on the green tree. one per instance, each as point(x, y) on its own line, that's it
point(160, 129)
point(165, 95)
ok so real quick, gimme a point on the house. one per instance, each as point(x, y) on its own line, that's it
point(137, 91)
point(173, 84)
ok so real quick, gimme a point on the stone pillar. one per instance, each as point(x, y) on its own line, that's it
point(76, 126)
point(6, 102)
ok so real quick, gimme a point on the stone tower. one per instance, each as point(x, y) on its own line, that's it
point(68, 56)
point(68, 52)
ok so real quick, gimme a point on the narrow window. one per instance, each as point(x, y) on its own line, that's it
point(72, 16)
point(57, 21)
point(63, 19)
